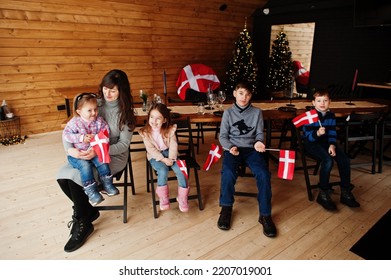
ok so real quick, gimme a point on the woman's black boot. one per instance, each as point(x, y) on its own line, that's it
point(80, 230)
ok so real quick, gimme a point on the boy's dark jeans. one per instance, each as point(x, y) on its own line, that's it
point(229, 174)
point(320, 152)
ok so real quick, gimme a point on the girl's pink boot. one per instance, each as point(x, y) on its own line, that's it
point(182, 198)
point(164, 200)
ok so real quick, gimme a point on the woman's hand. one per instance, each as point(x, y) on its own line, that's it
point(86, 155)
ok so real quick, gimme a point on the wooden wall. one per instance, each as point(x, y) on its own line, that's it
point(300, 37)
point(339, 48)
point(47, 46)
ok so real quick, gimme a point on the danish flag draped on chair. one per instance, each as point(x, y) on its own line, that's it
point(197, 77)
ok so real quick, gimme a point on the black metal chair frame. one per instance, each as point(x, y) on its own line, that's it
point(385, 134)
point(300, 151)
point(242, 173)
point(128, 180)
point(357, 131)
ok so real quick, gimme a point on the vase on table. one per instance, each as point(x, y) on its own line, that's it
point(144, 107)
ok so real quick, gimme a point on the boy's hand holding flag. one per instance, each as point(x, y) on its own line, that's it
point(213, 156)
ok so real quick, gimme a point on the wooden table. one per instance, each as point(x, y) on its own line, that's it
point(373, 89)
point(272, 111)
point(375, 85)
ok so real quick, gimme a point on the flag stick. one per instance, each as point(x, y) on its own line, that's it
point(319, 123)
point(274, 150)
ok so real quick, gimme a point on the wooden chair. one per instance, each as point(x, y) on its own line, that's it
point(186, 152)
point(242, 172)
point(306, 166)
point(356, 132)
point(128, 180)
point(385, 134)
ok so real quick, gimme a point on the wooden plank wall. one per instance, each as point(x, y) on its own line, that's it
point(47, 46)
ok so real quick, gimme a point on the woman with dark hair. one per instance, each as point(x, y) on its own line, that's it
point(117, 109)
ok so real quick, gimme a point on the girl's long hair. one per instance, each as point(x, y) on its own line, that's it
point(119, 78)
point(162, 109)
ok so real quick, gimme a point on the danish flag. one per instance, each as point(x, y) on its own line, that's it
point(100, 143)
point(213, 156)
point(306, 118)
point(197, 77)
point(286, 166)
point(182, 167)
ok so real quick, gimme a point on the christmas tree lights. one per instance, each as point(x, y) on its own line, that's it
point(242, 66)
point(280, 65)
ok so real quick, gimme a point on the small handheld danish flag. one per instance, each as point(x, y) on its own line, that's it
point(286, 166)
point(182, 167)
point(213, 156)
point(100, 143)
point(306, 118)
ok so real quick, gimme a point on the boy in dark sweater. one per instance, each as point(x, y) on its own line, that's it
point(241, 136)
point(320, 141)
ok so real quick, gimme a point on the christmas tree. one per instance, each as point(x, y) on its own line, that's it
point(242, 67)
point(280, 65)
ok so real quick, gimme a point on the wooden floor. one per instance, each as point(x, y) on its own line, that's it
point(35, 213)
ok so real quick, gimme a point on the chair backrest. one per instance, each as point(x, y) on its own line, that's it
point(184, 137)
point(362, 125)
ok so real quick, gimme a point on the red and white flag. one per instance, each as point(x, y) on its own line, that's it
point(213, 156)
point(197, 77)
point(182, 167)
point(286, 166)
point(306, 118)
point(101, 145)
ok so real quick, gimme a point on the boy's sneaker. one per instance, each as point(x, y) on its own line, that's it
point(324, 199)
point(224, 222)
point(269, 229)
point(93, 195)
point(348, 199)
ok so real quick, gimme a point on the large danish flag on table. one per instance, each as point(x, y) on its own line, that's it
point(197, 77)
point(101, 145)
point(213, 156)
point(286, 166)
point(306, 118)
